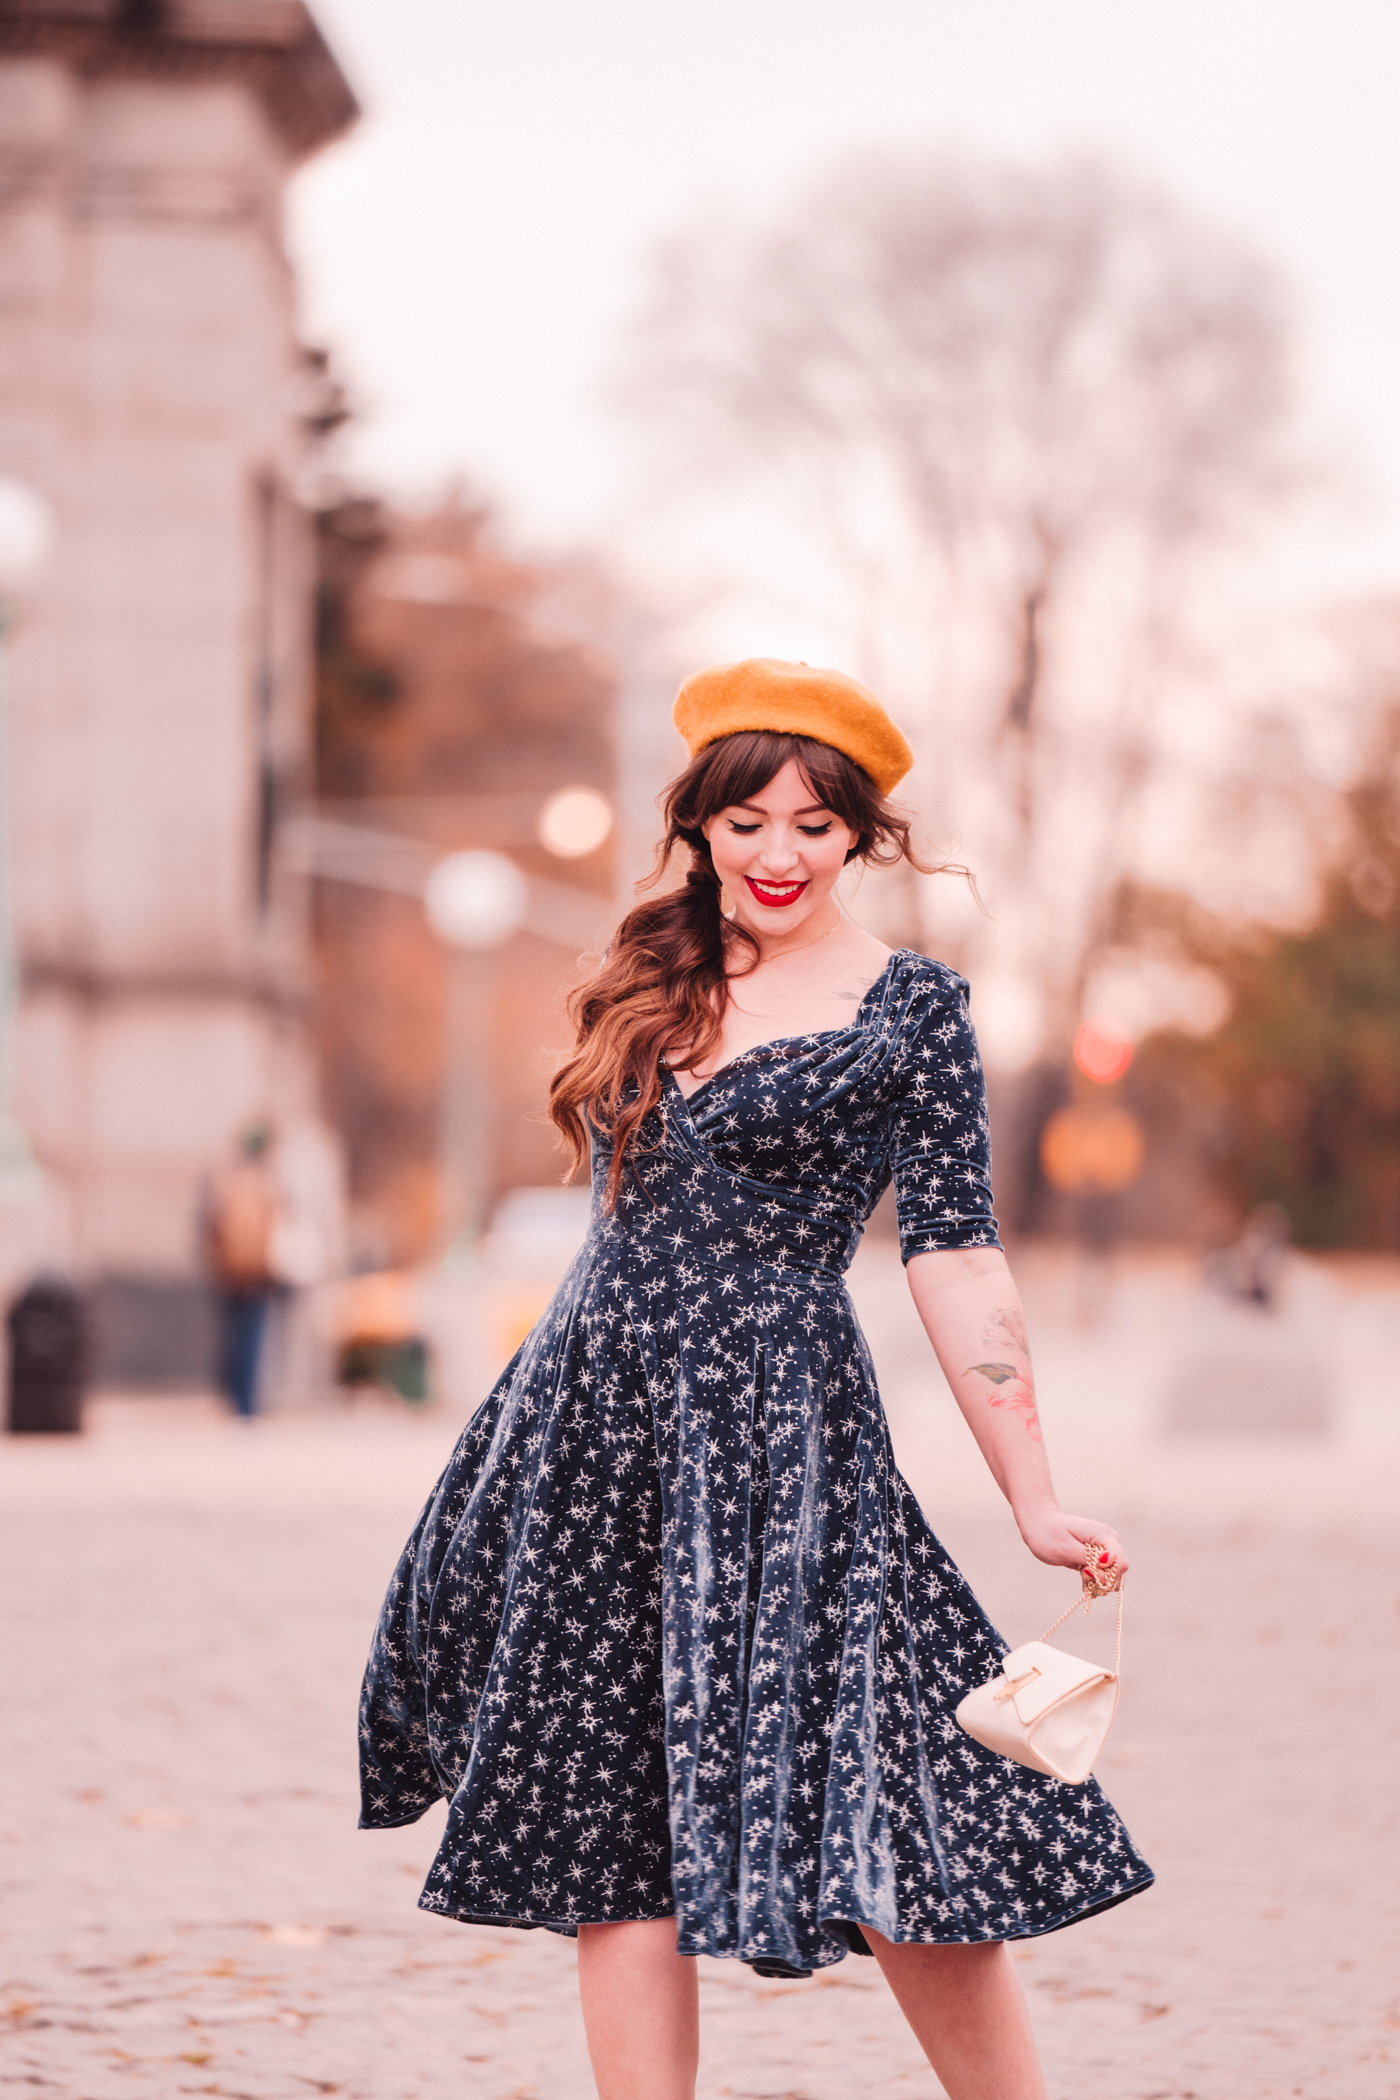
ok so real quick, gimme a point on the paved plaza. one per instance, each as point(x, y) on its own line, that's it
point(188, 1908)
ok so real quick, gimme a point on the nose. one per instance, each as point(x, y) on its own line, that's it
point(779, 855)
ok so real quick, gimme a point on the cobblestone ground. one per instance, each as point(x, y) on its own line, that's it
point(188, 1908)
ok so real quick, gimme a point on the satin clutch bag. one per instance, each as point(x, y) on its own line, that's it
point(1047, 1709)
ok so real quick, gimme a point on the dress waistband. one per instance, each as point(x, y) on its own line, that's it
point(724, 1260)
point(770, 1241)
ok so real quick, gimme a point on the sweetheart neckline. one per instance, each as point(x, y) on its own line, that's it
point(810, 1035)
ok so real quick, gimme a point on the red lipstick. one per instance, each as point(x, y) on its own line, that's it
point(787, 894)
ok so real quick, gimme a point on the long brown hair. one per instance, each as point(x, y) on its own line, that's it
point(663, 983)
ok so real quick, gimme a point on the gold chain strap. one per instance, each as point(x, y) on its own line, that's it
point(1086, 1598)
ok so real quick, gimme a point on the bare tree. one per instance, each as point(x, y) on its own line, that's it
point(1022, 407)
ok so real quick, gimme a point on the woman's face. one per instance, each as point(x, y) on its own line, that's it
point(778, 854)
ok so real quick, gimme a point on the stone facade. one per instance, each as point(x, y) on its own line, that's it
point(152, 388)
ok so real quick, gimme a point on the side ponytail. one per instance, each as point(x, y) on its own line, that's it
point(663, 984)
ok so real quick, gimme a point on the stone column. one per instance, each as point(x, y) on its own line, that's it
point(149, 386)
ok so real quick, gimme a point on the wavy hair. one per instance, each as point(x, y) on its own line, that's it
point(663, 983)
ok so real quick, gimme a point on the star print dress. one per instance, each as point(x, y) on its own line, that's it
point(672, 1633)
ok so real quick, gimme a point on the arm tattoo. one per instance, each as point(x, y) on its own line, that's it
point(1012, 1386)
point(1007, 1325)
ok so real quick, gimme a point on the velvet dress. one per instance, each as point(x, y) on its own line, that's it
point(672, 1633)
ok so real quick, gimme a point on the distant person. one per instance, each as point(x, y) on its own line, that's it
point(1254, 1269)
point(673, 1636)
point(242, 1215)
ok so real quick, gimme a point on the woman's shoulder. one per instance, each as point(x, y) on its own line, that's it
point(923, 983)
point(926, 1018)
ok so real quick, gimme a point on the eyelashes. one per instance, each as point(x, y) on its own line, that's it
point(808, 831)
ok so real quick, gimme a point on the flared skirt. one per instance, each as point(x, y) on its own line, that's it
point(673, 1635)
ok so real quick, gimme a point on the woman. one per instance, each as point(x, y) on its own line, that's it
point(672, 1635)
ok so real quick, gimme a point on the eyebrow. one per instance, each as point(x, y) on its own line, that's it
point(812, 809)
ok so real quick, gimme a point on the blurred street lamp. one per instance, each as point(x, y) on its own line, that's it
point(474, 902)
point(575, 821)
point(26, 538)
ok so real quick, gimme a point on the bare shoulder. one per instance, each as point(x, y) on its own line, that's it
point(860, 965)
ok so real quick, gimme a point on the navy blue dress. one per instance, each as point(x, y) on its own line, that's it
point(672, 1634)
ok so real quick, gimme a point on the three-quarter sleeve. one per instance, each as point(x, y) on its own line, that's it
point(940, 1141)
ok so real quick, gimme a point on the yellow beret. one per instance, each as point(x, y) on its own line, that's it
point(795, 700)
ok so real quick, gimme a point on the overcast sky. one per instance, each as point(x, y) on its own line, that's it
point(469, 251)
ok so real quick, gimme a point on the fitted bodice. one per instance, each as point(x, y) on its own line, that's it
point(782, 1154)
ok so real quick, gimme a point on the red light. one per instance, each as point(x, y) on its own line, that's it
point(1103, 1050)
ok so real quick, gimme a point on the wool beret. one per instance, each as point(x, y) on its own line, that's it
point(795, 700)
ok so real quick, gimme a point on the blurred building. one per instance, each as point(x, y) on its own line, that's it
point(460, 697)
point(153, 390)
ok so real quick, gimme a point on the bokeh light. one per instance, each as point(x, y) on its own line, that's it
point(476, 900)
point(1103, 1049)
point(1092, 1151)
point(575, 821)
point(27, 532)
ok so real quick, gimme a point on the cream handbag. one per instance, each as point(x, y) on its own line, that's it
point(1047, 1709)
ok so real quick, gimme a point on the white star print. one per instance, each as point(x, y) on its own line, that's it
point(659, 1636)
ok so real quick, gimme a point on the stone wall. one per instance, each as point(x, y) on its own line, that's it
point(152, 388)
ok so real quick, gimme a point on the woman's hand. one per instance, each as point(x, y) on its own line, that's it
point(1065, 1542)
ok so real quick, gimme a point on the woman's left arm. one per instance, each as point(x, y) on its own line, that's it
point(972, 1314)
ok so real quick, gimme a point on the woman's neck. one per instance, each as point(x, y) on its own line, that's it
point(773, 946)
